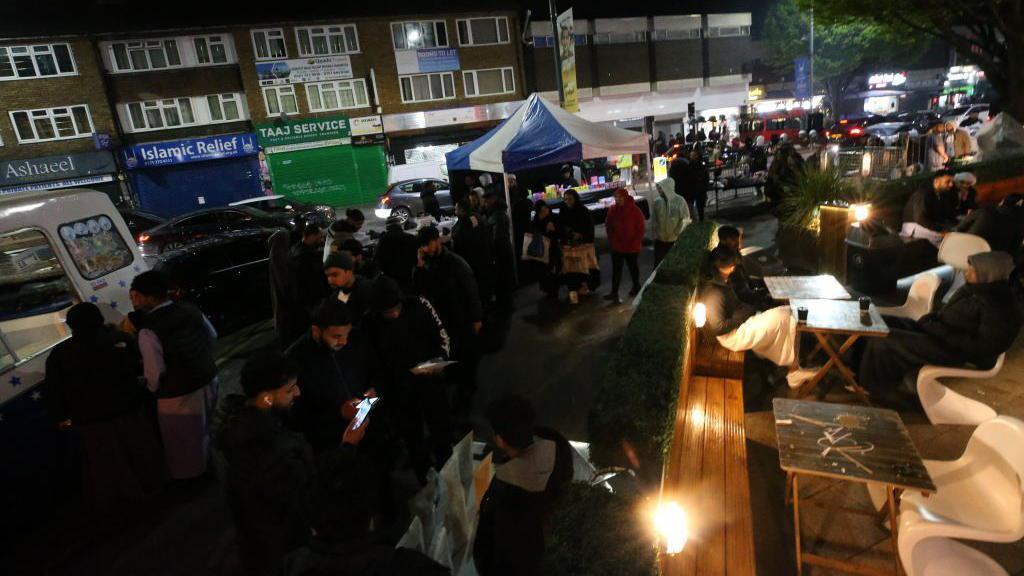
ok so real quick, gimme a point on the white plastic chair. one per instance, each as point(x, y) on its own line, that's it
point(919, 300)
point(955, 249)
point(979, 496)
point(944, 406)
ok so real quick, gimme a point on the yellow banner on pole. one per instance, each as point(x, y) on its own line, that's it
point(567, 58)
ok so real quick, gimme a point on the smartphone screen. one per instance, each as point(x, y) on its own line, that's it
point(362, 411)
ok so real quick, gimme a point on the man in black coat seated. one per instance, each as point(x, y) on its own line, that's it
point(978, 324)
point(749, 290)
point(927, 214)
point(536, 464)
point(270, 469)
point(1001, 226)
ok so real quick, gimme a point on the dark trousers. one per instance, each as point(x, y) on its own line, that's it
point(697, 206)
point(465, 349)
point(661, 250)
point(505, 279)
point(424, 400)
point(634, 270)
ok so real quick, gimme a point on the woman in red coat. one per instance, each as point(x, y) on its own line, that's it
point(625, 227)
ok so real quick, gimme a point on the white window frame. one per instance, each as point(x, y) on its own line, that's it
point(469, 31)
point(672, 34)
point(471, 84)
point(277, 96)
point(278, 34)
point(34, 51)
point(235, 97)
point(356, 85)
point(49, 113)
point(327, 33)
point(162, 106)
point(421, 23)
point(628, 37)
point(144, 43)
point(737, 31)
point(210, 39)
point(412, 87)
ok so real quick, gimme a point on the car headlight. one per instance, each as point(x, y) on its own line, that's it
point(382, 213)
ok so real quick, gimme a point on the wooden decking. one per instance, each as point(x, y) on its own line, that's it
point(706, 470)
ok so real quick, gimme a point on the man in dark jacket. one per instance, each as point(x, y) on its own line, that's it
point(447, 281)
point(926, 214)
point(307, 265)
point(347, 286)
point(396, 253)
point(739, 326)
point(978, 324)
point(695, 184)
point(176, 343)
point(472, 239)
point(270, 469)
point(328, 399)
point(405, 332)
point(747, 289)
point(534, 465)
point(1001, 226)
point(497, 219)
point(428, 196)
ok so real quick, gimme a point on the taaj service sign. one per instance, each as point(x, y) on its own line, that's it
point(290, 135)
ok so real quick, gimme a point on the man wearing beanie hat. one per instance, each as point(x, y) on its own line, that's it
point(978, 324)
point(406, 331)
point(347, 286)
point(270, 469)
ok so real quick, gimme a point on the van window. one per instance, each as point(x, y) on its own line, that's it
point(95, 246)
point(34, 294)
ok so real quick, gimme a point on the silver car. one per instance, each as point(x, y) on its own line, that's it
point(403, 199)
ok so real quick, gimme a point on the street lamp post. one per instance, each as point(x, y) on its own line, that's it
point(811, 59)
point(555, 44)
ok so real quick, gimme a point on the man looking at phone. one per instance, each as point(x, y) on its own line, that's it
point(405, 332)
point(447, 281)
point(328, 400)
point(270, 469)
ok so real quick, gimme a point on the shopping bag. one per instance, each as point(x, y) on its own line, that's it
point(574, 260)
point(536, 247)
point(591, 257)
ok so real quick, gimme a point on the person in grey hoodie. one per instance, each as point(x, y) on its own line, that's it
point(670, 215)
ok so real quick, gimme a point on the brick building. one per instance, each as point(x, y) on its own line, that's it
point(53, 101)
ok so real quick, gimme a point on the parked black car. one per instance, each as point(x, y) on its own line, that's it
point(226, 275)
point(139, 221)
point(322, 214)
point(182, 230)
point(403, 199)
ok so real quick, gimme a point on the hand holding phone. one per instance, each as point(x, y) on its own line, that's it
point(362, 411)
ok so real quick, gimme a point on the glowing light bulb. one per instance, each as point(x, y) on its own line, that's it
point(700, 315)
point(670, 524)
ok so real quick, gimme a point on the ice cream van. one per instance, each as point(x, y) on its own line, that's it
point(56, 249)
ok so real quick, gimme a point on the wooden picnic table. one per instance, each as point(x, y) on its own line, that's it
point(824, 286)
point(827, 318)
point(849, 443)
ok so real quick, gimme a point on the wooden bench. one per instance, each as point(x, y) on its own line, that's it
point(706, 473)
point(711, 359)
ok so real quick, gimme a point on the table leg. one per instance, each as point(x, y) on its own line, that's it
point(796, 526)
point(893, 527)
point(846, 373)
point(813, 382)
point(789, 487)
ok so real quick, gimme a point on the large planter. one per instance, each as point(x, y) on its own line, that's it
point(834, 223)
point(798, 248)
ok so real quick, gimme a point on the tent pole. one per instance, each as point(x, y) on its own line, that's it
point(511, 231)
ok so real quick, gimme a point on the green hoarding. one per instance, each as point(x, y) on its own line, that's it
point(313, 161)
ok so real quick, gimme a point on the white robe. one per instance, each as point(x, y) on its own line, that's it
point(771, 335)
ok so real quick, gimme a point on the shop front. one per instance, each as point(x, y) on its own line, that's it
point(314, 160)
point(95, 170)
point(415, 137)
point(179, 176)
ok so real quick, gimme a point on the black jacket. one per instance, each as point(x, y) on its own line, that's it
point(980, 322)
point(510, 533)
point(448, 282)
point(308, 267)
point(269, 480)
point(927, 209)
point(501, 227)
point(323, 387)
point(187, 348)
point(474, 242)
point(359, 297)
point(725, 310)
point(417, 335)
point(93, 378)
point(396, 255)
point(577, 221)
point(431, 205)
point(1000, 226)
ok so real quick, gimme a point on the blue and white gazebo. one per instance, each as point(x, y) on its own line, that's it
point(541, 133)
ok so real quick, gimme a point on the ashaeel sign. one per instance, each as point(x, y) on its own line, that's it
point(46, 168)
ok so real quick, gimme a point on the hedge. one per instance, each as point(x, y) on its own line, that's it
point(636, 400)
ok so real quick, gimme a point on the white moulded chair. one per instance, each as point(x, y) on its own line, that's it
point(944, 406)
point(979, 496)
point(920, 299)
point(955, 249)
